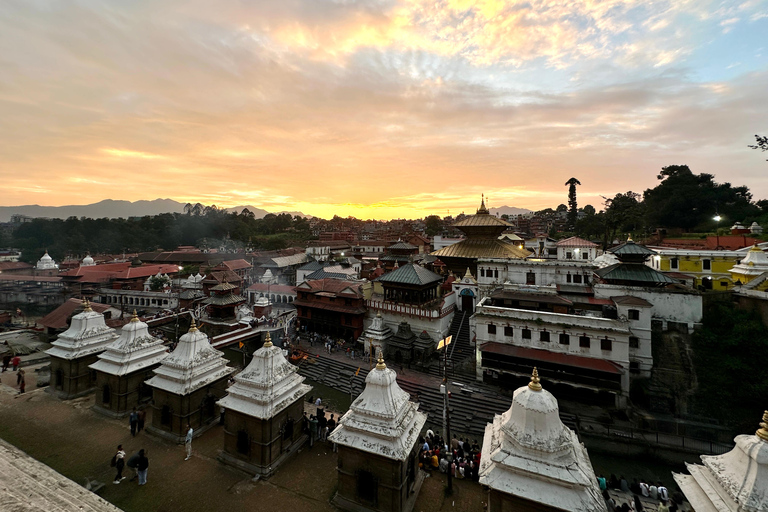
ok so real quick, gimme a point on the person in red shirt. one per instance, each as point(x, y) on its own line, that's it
point(16, 361)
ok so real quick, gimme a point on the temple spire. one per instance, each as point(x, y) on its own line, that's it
point(762, 433)
point(380, 364)
point(482, 208)
point(192, 326)
point(535, 384)
point(86, 305)
point(135, 317)
point(268, 341)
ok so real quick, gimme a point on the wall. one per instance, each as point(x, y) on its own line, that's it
point(668, 306)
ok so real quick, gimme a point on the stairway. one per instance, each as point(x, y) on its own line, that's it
point(460, 347)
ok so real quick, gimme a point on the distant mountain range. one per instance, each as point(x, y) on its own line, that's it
point(508, 210)
point(114, 209)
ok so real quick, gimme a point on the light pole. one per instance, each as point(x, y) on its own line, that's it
point(447, 419)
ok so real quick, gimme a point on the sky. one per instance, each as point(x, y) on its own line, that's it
point(376, 109)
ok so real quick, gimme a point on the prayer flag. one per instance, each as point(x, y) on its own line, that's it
point(358, 371)
point(241, 344)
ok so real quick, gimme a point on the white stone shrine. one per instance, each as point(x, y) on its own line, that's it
point(736, 481)
point(531, 461)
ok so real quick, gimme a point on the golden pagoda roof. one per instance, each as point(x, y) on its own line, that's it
point(482, 220)
point(482, 248)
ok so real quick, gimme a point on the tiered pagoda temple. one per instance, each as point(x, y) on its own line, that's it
point(124, 366)
point(264, 410)
point(482, 232)
point(187, 385)
point(532, 462)
point(75, 350)
point(631, 269)
point(378, 447)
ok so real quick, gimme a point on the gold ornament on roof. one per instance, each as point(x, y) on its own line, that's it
point(135, 317)
point(380, 364)
point(192, 326)
point(86, 306)
point(629, 238)
point(762, 432)
point(268, 341)
point(535, 384)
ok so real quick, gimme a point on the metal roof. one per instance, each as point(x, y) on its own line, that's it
point(410, 274)
point(481, 220)
point(482, 248)
point(402, 245)
point(630, 248)
point(633, 272)
point(575, 241)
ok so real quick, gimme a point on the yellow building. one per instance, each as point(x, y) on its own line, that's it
point(753, 264)
point(710, 269)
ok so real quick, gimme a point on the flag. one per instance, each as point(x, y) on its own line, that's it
point(241, 344)
point(358, 371)
point(444, 342)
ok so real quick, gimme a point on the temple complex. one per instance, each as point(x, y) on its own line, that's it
point(186, 386)
point(532, 462)
point(482, 232)
point(124, 366)
point(736, 481)
point(75, 350)
point(378, 447)
point(264, 410)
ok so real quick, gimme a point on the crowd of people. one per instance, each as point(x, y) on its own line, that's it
point(640, 492)
point(464, 461)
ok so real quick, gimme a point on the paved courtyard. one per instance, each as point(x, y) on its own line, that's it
point(77, 442)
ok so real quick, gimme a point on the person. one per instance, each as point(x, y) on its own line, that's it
point(623, 484)
point(610, 503)
point(188, 441)
point(22, 381)
point(312, 430)
point(318, 402)
point(638, 504)
point(653, 491)
point(644, 490)
point(6, 361)
point(663, 507)
point(331, 424)
point(16, 361)
point(141, 416)
point(663, 492)
point(322, 422)
point(132, 463)
point(434, 462)
point(119, 464)
point(133, 421)
point(142, 467)
point(602, 483)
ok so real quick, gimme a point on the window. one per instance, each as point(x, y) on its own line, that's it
point(673, 264)
point(508, 331)
point(568, 255)
point(526, 334)
point(606, 344)
point(706, 264)
point(584, 341)
point(634, 367)
point(106, 395)
point(496, 273)
point(724, 284)
point(634, 342)
point(565, 339)
point(530, 278)
point(585, 255)
point(544, 336)
point(491, 329)
point(577, 278)
point(482, 272)
point(634, 314)
point(568, 278)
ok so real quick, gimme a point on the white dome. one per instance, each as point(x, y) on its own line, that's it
point(262, 302)
point(88, 261)
point(534, 421)
point(46, 262)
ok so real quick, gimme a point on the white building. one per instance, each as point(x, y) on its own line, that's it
point(575, 248)
point(531, 461)
point(736, 481)
point(46, 263)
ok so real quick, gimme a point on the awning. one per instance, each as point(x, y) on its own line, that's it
point(560, 358)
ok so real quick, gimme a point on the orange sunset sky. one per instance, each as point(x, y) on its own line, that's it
point(377, 109)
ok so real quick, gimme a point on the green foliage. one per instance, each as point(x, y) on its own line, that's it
point(761, 143)
point(572, 205)
point(205, 226)
point(729, 357)
point(158, 283)
point(434, 225)
point(691, 201)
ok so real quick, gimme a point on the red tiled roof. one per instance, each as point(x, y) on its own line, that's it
point(334, 286)
point(107, 267)
point(575, 241)
point(220, 275)
point(14, 265)
point(57, 319)
point(628, 300)
point(236, 264)
point(534, 354)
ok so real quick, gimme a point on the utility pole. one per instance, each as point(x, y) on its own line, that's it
point(447, 419)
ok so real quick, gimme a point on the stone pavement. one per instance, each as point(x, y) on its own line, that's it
point(77, 442)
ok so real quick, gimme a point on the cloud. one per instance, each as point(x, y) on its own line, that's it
point(389, 108)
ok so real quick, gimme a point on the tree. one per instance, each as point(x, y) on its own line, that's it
point(433, 225)
point(561, 208)
point(573, 209)
point(623, 214)
point(762, 143)
point(589, 210)
point(158, 283)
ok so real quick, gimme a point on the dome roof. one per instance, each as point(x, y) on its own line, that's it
point(88, 261)
point(46, 262)
point(46, 257)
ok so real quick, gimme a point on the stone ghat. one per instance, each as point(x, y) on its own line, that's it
point(29, 485)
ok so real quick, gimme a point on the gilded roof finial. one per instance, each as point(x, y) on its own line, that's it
point(629, 238)
point(268, 341)
point(135, 317)
point(762, 432)
point(482, 208)
point(380, 364)
point(535, 384)
point(86, 305)
point(192, 326)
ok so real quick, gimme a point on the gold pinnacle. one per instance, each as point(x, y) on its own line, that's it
point(380, 364)
point(135, 317)
point(535, 384)
point(762, 433)
point(268, 341)
point(86, 305)
point(192, 326)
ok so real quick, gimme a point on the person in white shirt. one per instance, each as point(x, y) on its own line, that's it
point(663, 492)
point(188, 441)
point(654, 492)
point(644, 489)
